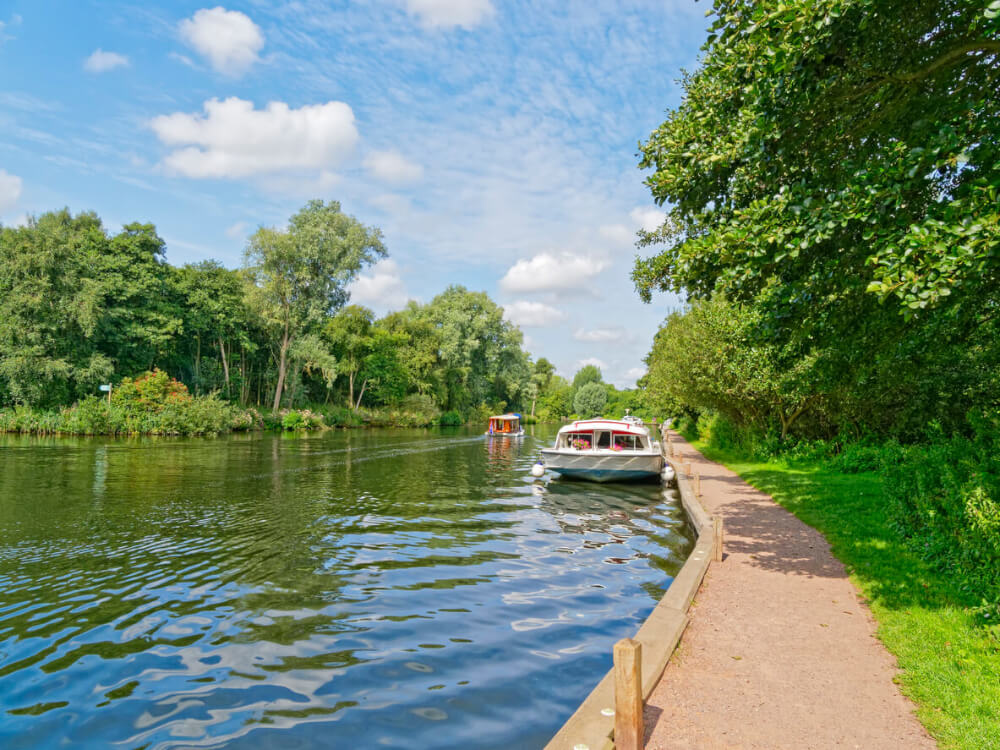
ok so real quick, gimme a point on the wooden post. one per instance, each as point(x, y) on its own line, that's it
point(717, 523)
point(687, 469)
point(629, 734)
point(697, 484)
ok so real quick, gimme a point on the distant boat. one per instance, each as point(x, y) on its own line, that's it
point(605, 450)
point(505, 425)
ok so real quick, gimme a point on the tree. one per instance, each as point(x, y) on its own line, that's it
point(587, 374)
point(50, 307)
point(832, 169)
point(480, 352)
point(350, 333)
point(590, 400)
point(299, 275)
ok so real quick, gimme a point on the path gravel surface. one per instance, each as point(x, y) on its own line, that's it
point(781, 650)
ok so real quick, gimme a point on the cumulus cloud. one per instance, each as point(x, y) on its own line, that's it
point(649, 219)
point(393, 167)
point(382, 289)
point(602, 335)
point(548, 272)
point(447, 14)
point(232, 139)
point(599, 364)
point(532, 314)
point(101, 61)
point(635, 373)
point(10, 190)
point(228, 39)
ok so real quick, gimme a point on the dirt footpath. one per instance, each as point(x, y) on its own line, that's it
point(780, 651)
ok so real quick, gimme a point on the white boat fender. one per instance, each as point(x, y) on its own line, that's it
point(668, 473)
point(538, 469)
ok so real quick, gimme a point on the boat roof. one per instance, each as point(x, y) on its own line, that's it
point(617, 425)
point(506, 417)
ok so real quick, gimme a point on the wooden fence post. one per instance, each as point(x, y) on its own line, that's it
point(697, 484)
point(629, 734)
point(687, 469)
point(717, 523)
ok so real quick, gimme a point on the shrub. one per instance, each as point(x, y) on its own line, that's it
point(451, 419)
point(293, 420)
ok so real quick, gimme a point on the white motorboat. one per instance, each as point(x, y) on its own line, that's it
point(605, 450)
point(505, 425)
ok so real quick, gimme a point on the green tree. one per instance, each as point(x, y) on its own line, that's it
point(587, 374)
point(50, 307)
point(299, 275)
point(590, 400)
point(351, 336)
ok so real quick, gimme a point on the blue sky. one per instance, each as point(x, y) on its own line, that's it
point(494, 142)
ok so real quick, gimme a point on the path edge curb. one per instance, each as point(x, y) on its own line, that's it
point(591, 727)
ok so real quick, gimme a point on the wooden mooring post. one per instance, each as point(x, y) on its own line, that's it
point(717, 528)
point(697, 484)
point(629, 733)
point(687, 469)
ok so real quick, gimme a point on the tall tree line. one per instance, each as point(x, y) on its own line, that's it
point(81, 306)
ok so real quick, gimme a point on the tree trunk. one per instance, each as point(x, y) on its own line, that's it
point(533, 400)
point(282, 366)
point(350, 386)
point(361, 395)
point(225, 364)
point(197, 367)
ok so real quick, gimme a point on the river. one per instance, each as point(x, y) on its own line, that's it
point(349, 589)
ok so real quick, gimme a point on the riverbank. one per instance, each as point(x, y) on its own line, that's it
point(949, 661)
point(780, 650)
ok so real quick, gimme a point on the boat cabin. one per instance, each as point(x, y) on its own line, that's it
point(613, 436)
point(505, 424)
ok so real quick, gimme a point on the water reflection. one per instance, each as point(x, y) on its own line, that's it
point(260, 591)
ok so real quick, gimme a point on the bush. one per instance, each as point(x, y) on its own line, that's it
point(451, 419)
point(944, 497)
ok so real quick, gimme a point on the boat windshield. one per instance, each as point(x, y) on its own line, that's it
point(580, 441)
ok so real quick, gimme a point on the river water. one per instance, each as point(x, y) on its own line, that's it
point(359, 589)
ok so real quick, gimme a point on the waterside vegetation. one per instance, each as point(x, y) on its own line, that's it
point(832, 184)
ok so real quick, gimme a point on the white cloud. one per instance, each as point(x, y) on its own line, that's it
point(227, 38)
point(391, 203)
point(382, 289)
point(447, 14)
point(602, 335)
point(10, 190)
point(532, 314)
point(649, 219)
point(101, 61)
point(238, 230)
point(393, 167)
point(617, 234)
point(550, 272)
point(635, 373)
point(599, 364)
point(232, 139)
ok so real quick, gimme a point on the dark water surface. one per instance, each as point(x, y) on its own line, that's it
point(407, 589)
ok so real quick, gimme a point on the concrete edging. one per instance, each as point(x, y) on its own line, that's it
point(591, 727)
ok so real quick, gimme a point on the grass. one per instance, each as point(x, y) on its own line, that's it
point(950, 662)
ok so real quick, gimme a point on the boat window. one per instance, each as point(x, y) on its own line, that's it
point(581, 441)
point(603, 439)
point(627, 442)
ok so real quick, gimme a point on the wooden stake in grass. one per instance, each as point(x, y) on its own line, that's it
point(628, 695)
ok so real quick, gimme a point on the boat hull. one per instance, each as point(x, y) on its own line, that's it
point(604, 467)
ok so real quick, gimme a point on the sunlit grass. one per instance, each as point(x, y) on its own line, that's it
point(950, 664)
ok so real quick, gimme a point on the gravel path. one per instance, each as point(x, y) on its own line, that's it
point(781, 651)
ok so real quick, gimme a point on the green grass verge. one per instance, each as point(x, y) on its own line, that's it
point(951, 664)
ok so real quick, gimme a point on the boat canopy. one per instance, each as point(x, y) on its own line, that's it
point(603, 434)
point(505, 423)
